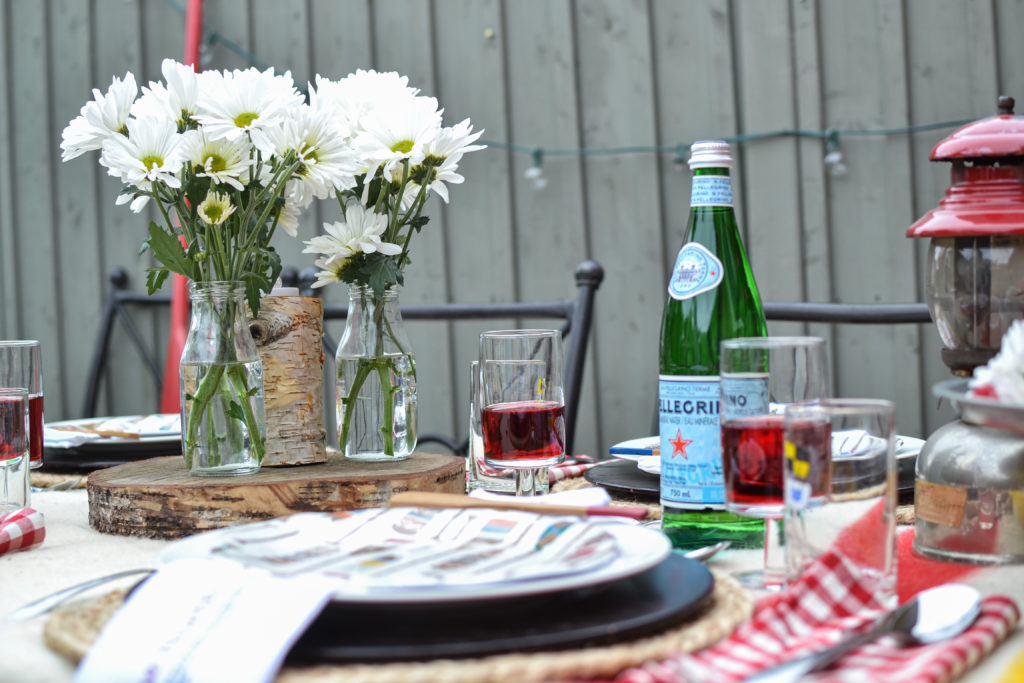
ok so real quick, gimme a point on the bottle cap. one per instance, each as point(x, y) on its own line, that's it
point(710, 154)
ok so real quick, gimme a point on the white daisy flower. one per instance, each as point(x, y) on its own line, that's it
point(175, 100)
point(223, 161)
point(288, 218)
point(149, 154)
point(100, 118)
point(1004, 373)
point(353, 97)
point(329, 272)
point(359, 232)
point(397, 133)
point(328, 163)
point(249, 102)
point(442, 156)
point(216, 208)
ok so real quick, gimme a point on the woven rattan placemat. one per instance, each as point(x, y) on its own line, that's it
point(617, 499)
point(72, 630)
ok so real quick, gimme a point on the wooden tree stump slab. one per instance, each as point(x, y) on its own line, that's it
point(157, 498)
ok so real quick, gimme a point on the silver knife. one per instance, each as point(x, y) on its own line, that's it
point(47, 603)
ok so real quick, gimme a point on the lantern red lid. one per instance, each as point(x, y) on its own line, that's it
point(986, 195)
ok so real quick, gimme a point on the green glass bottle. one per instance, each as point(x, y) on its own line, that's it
point(711, 296)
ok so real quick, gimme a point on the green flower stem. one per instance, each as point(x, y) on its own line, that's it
point(200, 402)
point(236, 390)
point(240, 381)
point(384, 366)
point(350, 401)
point(387, 426)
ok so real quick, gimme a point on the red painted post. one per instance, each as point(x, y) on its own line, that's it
point(170, 401)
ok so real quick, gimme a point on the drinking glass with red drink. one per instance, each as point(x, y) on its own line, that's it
point(760, 376)
point(21, 367)
point(14, 463)
point(522, 404)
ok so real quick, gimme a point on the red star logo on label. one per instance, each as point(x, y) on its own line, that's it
point(679, 445)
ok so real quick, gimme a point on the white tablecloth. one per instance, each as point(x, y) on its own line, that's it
point(73, 552)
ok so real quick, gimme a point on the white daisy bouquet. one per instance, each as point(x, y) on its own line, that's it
point(226, 157)
point(233, 155)
point(403, 154)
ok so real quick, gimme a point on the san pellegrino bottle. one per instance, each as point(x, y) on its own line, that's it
point(711, 296)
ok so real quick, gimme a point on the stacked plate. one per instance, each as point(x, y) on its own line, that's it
point(427, 583)
point(94, 443)
point(637, 468)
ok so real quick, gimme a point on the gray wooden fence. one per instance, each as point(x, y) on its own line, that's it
point(606, 89)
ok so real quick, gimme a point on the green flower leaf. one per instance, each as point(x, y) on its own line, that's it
point(169, 252)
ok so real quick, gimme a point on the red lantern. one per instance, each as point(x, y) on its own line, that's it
point(975, 269)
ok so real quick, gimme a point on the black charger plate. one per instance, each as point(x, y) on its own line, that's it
point(625, 609)
point(92, 456)
point(625, 476)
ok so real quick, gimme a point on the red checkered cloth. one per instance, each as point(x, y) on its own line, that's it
point(21, 529)
point(829, 602)
point(570, 467)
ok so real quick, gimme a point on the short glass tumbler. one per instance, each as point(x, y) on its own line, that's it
point(840, 489)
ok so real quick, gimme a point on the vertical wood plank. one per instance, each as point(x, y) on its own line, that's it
point(76, 208)
point(478, 221)
point(405, 43)
point(616, 93)
point(765, 88)
point(871, 258)
point(967, 67)
point(12, 299)
point(812, 176)
point(538, 256)
point(35, 245)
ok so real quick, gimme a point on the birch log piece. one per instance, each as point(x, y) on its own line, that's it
point(288, 333)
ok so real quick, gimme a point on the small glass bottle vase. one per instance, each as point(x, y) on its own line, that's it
point(223, 424)
point(376, 388)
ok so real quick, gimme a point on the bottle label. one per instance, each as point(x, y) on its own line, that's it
point(697, 270)
point(744, 396)
point(711, 190)
point(691, 442)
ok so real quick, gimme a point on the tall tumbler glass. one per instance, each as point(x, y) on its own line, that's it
point(21, 367)
point(14, 461)
point(840, 489)
point(522, 403)
point(480, 475)
point(759, 377)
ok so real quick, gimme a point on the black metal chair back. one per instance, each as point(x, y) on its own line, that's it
point(576, 315)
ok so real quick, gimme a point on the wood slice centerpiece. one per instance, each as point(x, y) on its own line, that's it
point(158, 498)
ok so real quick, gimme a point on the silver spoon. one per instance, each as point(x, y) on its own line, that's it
point(707, 552)
point(47, 603)
point(933, 615)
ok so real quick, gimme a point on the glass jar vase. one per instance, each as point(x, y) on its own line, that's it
point(376, 385)
point(223, 424)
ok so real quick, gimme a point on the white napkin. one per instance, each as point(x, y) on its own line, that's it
point(206, 620)
point(650, 464)
point(586, 497)
point(64, 438)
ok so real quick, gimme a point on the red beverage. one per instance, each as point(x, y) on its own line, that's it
point(12, 428)
point(752, 457)
point(35, 429)
point(752, 460)
point(524, 433)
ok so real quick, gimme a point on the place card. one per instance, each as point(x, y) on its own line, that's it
point(206, 620)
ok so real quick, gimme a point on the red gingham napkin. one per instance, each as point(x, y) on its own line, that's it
point(828, 602)
point(21, 529)
point(570, 467)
